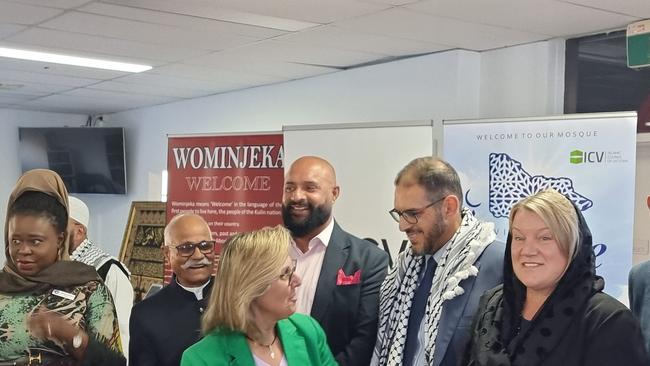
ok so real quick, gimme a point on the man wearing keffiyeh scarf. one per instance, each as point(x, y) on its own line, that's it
point(468, 261)
point(114, 274)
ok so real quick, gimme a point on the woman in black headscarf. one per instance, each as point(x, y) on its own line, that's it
point(52, 311)
point(550, 309)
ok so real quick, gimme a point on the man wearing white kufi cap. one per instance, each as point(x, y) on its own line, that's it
point(114, 273)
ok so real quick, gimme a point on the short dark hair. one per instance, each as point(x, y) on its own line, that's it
point(34, 203)
point(435, 175)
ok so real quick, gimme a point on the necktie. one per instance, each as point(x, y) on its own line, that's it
point(418, 307)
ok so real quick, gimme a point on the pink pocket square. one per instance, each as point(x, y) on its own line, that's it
point(343, 280)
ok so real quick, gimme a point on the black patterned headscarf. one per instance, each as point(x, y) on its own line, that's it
point(498, 326)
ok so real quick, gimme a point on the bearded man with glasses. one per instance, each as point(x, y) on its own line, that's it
point(165, 324)
point(430, 296)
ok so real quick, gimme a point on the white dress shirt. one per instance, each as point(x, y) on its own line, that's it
point(308, 266)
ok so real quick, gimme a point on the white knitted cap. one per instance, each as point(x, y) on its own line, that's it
point(78, 211)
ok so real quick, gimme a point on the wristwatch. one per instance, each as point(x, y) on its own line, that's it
point(77, 340)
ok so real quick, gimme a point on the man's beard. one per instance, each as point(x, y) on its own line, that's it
point(433, 235)
point(318, 215)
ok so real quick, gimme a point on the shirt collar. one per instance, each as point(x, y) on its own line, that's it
point(323, 237)
point(197, 291)
point(438, 254)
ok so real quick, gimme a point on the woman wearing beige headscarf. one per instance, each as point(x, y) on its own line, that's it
point(51, 309)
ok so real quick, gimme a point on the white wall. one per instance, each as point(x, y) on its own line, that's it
point(10, 120)
point(523, 81)
point(449, 85)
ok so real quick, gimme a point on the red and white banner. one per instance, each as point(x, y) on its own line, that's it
point(233, 181)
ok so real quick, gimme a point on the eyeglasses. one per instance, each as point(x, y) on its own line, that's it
point(187, 249)
point(287, 273)
point(411, 215)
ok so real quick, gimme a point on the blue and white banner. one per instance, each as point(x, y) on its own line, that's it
point(588, 157)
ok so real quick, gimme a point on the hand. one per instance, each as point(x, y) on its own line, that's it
point(47, 324)
point(42, 322)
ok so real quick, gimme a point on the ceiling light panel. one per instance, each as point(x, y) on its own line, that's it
point(71, 60)
point(96, 46)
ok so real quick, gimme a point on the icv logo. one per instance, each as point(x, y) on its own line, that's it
point(579, 157)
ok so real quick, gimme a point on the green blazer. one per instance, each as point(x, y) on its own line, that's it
point(303, 341)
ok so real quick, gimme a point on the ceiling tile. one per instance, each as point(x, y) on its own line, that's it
point(119, 96)
point(398, 22)
point(198, 22)
point(34, 77)
point(217, 11)
point(15, 13)
point(62, 4)
point(144, 32)
point(14, 98)
point(272, 50)
point(67, 103)
point(148, 89)
point(534, 16)
point(56, 69)
point(35, 89)
point(165, 81)
point(220, 76)
point(634, 8)
point(390, 2)
point(7, 30)
point(246, 61)
point(344, 39)
point(310, 54)
point(317, 11)
point(102, 47)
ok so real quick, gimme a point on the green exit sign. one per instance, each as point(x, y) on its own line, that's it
point(638, 44)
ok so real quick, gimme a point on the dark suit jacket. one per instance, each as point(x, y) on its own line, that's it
point(349, 313)
point(164, 325)
point(303, 342)
point(455, 325)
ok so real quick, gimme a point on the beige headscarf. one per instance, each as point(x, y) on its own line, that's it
point(63, 272)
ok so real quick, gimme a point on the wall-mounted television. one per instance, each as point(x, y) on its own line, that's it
point(89, 159)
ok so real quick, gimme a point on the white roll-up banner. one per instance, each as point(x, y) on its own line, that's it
point(588, 157)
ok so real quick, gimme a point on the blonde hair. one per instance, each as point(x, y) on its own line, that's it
point(559, 215)
point(249, 263)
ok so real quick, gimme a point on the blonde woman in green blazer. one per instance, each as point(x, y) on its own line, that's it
point(250, 318)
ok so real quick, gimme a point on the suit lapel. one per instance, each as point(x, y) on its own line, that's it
point(335, 257)
point(239, 354)
point(451, 314)
point(293, 344)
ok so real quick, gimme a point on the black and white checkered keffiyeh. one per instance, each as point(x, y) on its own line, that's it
point(90, 254)
point(398, 289)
